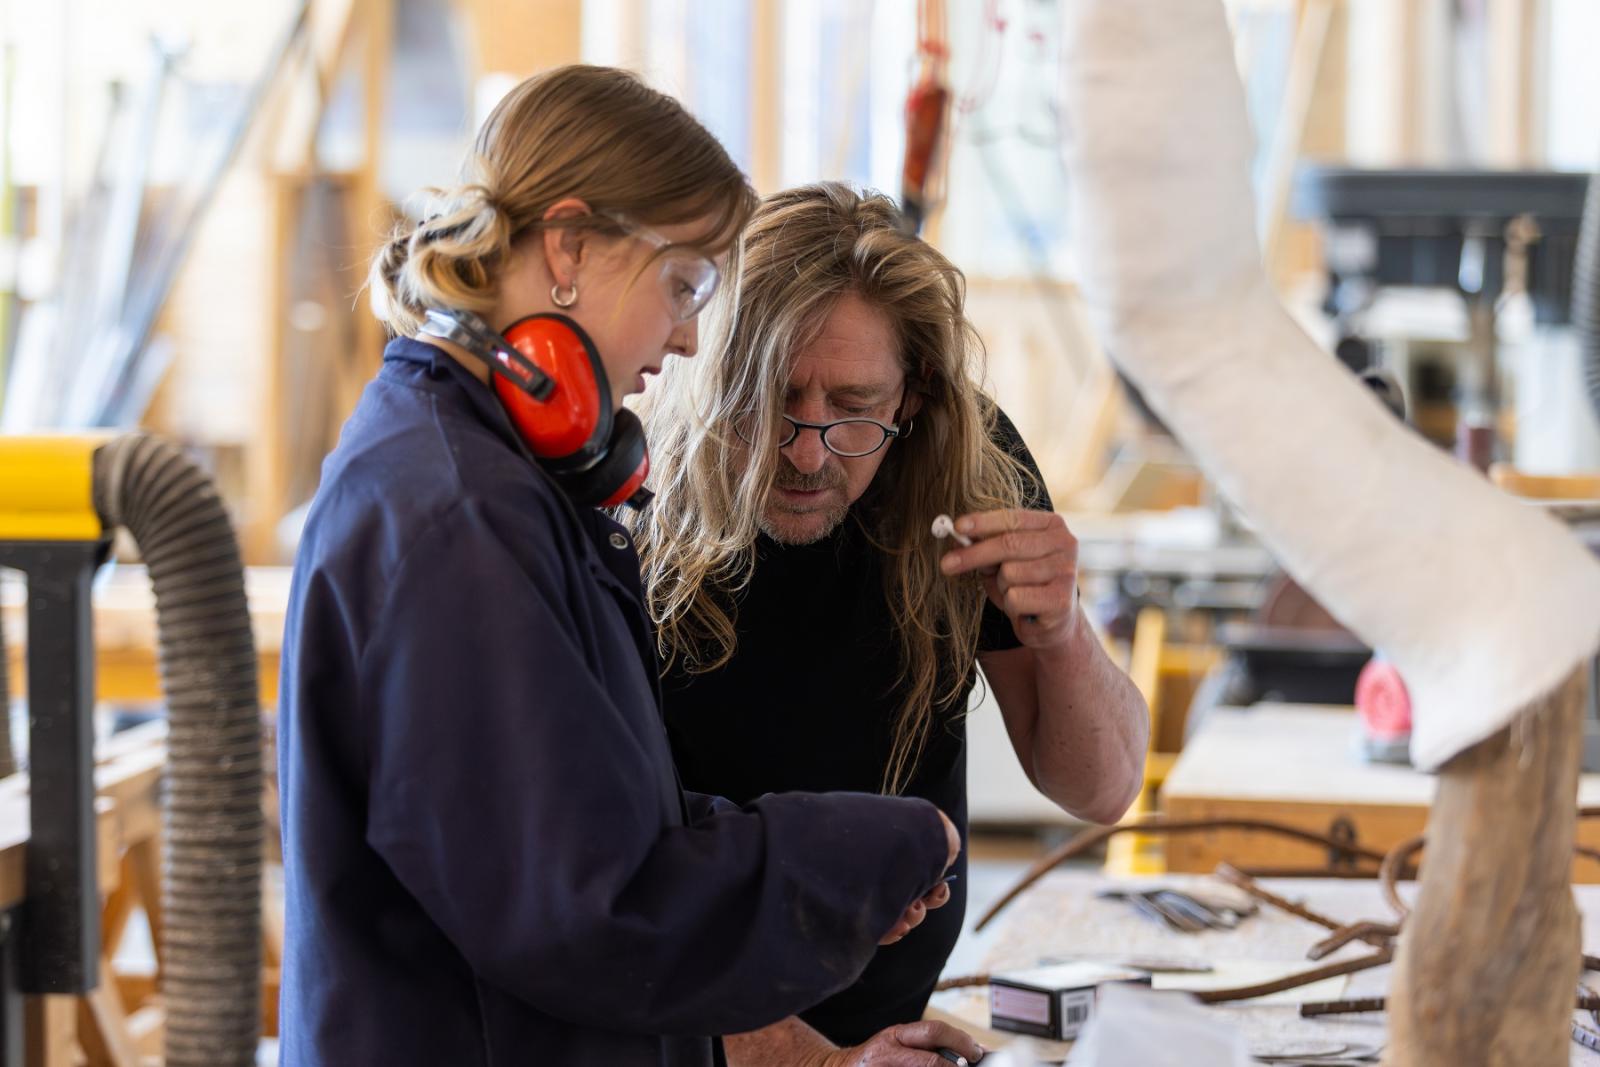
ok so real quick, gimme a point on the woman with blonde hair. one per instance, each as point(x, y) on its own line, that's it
point(488, 857)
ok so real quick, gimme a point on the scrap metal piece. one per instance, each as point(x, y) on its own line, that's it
point(1279, 1051)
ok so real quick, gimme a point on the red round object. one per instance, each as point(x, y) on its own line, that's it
point(572, 420)
point(1383, 701)
point(626, 490)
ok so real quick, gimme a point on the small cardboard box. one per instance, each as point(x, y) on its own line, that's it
point(1052, 1002)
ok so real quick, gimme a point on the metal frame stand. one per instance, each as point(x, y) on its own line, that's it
point(54, 944)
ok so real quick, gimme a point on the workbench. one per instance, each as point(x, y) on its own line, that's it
point(1061, 917)
point(126, 659)
point(1299, 764)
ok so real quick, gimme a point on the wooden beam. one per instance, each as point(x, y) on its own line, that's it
point(371, 214)
point(145, 858)
point(117, 911)
point(766, 97)
point(137, 986)
point(1515, 121)
point(269, 459)
point(1305, 66)
point(52, 1031)
point(271, 987)
point(1393, 67)
point(1327, 120)
point(525, 37)
point(147, 1027)
point(1489, 958)
point(103, 1026)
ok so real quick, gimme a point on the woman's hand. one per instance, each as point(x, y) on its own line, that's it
point(937, 897)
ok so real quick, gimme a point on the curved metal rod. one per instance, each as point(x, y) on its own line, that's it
point(1391, 865)
point(1373, 933)
point(1582, 1002)
point(1162, 825)
point(1260, 989)
point(1294, 981)
point(1246, 884)
point(1399, 857)
point(1350, 874)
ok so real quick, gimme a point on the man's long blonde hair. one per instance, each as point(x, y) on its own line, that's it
point(803, 250)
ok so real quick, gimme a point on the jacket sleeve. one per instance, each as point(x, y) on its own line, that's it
point(704, 806)
point(521, 808)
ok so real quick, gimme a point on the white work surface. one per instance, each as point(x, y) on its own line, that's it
point(1299, 753)
point(1298, 764)
point(1061, 917)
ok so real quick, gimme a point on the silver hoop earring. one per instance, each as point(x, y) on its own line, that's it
point(564, 299)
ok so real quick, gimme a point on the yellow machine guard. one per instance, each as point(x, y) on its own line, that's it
point(47, 487)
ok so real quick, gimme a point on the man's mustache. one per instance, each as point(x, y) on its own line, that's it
point(787, 477)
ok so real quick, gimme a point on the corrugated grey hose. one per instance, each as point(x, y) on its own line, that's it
point(8, 757)
point(1586, 292)
point(211, 895)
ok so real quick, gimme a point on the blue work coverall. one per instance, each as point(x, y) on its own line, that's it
point(488, 857)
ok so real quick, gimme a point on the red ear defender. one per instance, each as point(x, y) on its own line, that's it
point(549, 378)
point(572, 424)
point(633, 493)
point(619, 477)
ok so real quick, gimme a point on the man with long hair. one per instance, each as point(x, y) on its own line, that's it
point(814, 634)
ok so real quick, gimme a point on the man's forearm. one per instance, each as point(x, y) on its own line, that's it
point(1091, 731)
point(789, 1043)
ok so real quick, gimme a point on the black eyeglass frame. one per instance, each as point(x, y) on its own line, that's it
point(822, 428)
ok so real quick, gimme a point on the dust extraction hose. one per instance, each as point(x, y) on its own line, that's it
point(211, 896)
point(1586, 292)
point(8, 757)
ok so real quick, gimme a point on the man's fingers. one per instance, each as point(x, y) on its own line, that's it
point(937, 897)
point(933, 1035)
point(988, 523)
point(1048, 605)
point(993, 551)
point(1012, 535)
point(1023, 572)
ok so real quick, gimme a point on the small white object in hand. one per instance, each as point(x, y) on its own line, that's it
point(944, 527)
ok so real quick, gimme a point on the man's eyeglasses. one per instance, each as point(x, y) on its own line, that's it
point(850, 438)
point(688, 278)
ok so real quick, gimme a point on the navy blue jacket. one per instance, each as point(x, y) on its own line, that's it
point(488, 858)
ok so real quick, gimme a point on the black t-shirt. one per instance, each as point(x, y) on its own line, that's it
point(808, 702)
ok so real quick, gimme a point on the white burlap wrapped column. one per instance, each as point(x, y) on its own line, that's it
point(1483, 604)
point(1488, 608)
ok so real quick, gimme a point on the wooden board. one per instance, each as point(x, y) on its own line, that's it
point(126, 667)
point(1298, 764)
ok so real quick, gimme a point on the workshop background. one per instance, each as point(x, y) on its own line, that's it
point(190, 192)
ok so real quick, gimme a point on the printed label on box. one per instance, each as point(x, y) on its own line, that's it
point(1020, 1004)
point(1076, 1005)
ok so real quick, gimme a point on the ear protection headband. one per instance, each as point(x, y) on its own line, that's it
point(550, 381)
